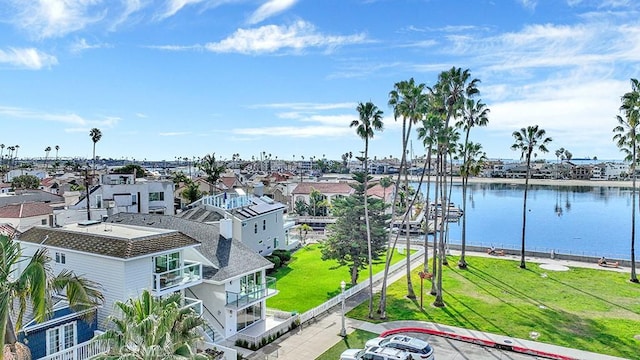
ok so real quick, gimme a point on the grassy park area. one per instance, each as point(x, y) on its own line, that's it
point(307, 281)
point(588, 309)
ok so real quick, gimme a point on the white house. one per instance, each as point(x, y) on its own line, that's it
point(121, 193)
point(26, 215)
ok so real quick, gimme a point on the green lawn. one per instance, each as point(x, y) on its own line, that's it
point(307, 281)
point(355, 340)
point(593, 310)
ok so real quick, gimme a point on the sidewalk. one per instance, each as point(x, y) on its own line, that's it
point(314, 338)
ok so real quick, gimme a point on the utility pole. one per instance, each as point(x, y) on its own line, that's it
point(88, 187)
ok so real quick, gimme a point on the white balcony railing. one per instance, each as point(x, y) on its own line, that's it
point(195, 304)
point(172, 280)
point(258, 292)
point(83, 351)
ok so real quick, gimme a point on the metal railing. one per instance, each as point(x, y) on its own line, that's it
point(192, 303)
point(83, 351)
point(185, 276)
point(254, 294)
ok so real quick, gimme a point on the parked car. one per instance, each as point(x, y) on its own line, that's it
point(419, 349)
point(375, 353)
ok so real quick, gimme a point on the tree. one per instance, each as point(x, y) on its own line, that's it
point(474, 159)
point(95, 135)
point(559, 153)
point(131, 169)
point(301, 208)
point(385, 183)
point(626, 138)
point(153, 328)
point(370, 120)
point(528, 141)
point(209, 165)
point(35, 285)
point(25, 182)
point(348, 241)
point(303, 230)
point(318, 203)
point(192, 192)
point(474, 113)
point(57, 147)
point(46, 156)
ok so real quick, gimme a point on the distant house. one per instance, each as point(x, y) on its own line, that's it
point(26, 215)
point(329, 191)
point(121, 193)
point(23, 196)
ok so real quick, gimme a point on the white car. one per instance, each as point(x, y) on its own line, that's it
point(419, 349)
point(375, 353)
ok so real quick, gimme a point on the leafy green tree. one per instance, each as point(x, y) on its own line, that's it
point(348, 240)
point(131, 169)
point(35, 285)
point(153, 328)
point(626, 138)
point(318, 203)
point(192, 192)
point(370, 120)
point(210, 166)
point(25, 182)
point(301, 208)
point(179, 177)
point(303, 231)
point(528, 141)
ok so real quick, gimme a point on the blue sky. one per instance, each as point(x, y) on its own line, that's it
point(168, 78)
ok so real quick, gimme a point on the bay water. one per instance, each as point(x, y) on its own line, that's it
point(581, 220)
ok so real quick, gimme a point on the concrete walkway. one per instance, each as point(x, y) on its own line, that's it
point(313, 338)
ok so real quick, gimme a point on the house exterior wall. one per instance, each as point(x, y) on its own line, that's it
point(213, 297)
point(23, 224)
point(262, 233)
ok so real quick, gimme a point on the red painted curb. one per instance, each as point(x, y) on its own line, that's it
point(478, 341)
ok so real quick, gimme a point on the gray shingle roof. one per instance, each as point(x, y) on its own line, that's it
point(23, 196)
point(231, 258)
point(111, 246)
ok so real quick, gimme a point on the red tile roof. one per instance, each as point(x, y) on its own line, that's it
point(25, 210)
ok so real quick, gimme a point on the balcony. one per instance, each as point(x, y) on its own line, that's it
point(194, 304)
point(177, 279)
point(258, 292)
point(83, 351)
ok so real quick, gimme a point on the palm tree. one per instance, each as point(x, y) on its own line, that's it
point(16, 153)
point(209, 165)
point(95, 135)
point(153, 328)
point(57, 147)
point(370, 120)
point(626, 138)
point(36, 284)
point(385, 183)
point(409, 102)
point(528, 141)
point(474, 159)
point(1, 155)
point(46, 156)
point(474, 113)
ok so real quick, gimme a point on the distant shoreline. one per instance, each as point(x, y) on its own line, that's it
point(546, 182)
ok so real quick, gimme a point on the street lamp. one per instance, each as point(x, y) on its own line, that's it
point(343, 331)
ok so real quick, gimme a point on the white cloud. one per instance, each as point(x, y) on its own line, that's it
point(55, 18)
point(272, 38)
point(529, 4)
point(270, 8)
point(80, 45)
point(172, 7)
point(303, 106)
point(76, 120)
point(296, 131)
point(29, 58)
point(177, 133)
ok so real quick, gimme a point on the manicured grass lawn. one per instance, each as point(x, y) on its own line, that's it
point(588, 309)
point(355, 340)
point(307, 281)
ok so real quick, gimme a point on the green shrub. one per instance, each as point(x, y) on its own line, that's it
point(277, 263)
point(284, 255)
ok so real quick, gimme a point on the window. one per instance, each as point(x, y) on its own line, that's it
point(134, 199)
point(61, 258)
point(99, 201)
point(156, 196)
point(61, 337)
point(264, 224)
point(275, 243)
point(167, 262)
point(43, 222)
point(255, 228)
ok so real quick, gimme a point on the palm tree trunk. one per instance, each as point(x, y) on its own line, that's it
point(634, 277)
point(462, 263)
point(366, 219)
point(410, 292)
point(523, 265)
point(437, 220)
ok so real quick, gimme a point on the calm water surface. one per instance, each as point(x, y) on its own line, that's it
point(587, 220)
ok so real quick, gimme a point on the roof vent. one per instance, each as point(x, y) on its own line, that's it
point(86, 223)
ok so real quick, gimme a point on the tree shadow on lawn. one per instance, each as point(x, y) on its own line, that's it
point(450, 310)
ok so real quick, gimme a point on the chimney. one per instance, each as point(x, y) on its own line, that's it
point(226, 228)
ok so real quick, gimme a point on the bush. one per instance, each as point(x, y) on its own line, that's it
point(275, 260)
point(284, 255)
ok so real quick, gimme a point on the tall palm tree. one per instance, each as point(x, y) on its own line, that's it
point(474, 113)
point(626, 138)
point(385, 183)
point(409, 102)
point(46, 156)
point(153, 328)
point(474, 159)
point(559, 152)
point(210, 166)
point(1, 155)
point(35, 285)
point(370, 120)
point(57, 147)
point(16, 153)
point(528, 141)
point(95, 135)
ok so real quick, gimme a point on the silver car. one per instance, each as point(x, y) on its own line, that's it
point(375, 353)
point(419, 349)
